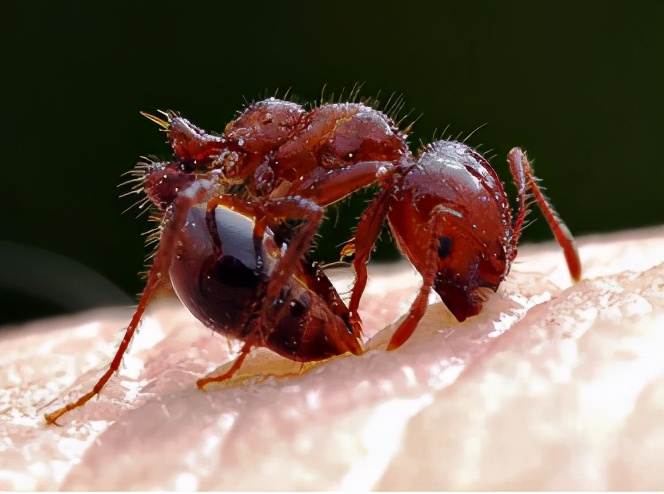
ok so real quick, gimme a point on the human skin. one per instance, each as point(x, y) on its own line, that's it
point(552, 386)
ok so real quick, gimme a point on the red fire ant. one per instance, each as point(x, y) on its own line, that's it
point(279, 163)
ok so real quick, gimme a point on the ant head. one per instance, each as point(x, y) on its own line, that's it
point(455, 196)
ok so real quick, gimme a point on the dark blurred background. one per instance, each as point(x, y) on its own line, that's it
point(578, 84)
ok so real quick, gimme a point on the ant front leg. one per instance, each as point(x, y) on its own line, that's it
point(524, 179)
point(366, 234)
point(436, 230)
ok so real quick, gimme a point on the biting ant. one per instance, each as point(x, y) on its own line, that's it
point(279, 166)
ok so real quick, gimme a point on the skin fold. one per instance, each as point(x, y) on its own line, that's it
point(552, 386)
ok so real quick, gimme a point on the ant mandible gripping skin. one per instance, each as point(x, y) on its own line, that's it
point(277, 162)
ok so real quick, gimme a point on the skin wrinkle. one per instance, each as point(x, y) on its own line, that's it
point(551, 386)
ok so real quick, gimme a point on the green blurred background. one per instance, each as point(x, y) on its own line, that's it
point(578, 84)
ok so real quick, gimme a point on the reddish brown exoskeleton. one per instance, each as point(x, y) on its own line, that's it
point(447, 208)
point(451, 218)
point(220, 272)
point(281, 164)
point(275, 163)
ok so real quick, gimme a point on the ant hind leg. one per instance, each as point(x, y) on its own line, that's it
point(157, 275)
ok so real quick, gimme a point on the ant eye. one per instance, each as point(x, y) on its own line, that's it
point(444, 247)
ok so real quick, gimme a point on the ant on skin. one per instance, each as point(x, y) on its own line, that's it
point(278, 162)
point(447, 209)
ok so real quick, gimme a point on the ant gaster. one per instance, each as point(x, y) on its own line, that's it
point(278, 162)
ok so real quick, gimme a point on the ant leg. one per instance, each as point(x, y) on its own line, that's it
point(329, 185)
point(244, 351)
point(296, 208)
point(272, 211)
point(366, 234)
point(232, 202)
point(244, 207)
point(419, 305)
point(157, 275)
point(524, 179)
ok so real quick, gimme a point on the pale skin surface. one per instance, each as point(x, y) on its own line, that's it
point(552, 386)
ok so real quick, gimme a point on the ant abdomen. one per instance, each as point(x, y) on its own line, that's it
point(214, 271)
point(221, 278)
